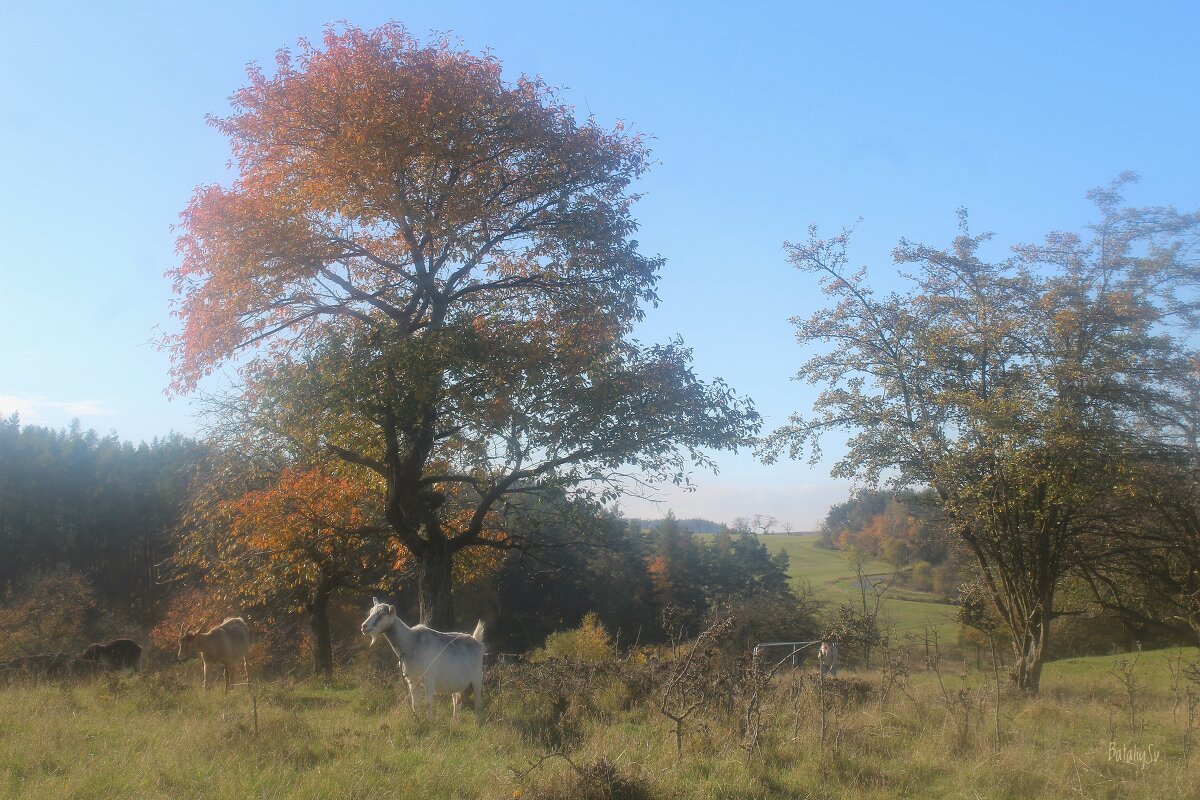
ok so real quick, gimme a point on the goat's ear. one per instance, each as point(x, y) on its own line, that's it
point(374, 601)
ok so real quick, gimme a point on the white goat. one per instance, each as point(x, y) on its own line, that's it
point(827, 657)
point(443, 663)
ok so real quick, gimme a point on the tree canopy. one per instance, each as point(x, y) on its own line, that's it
point(427, 273)
point(285, 543)
point(1020, 390)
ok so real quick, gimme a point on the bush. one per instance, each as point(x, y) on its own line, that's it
point(921, 579)
point(601, 779)
point(549, 702)
point(587, 644)
point(775, 616)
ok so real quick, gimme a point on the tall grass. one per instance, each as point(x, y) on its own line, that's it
point(570, 730)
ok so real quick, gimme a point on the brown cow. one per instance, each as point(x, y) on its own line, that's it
point(224, 645)
point(117, 654)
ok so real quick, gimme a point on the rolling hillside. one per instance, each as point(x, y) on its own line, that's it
point(833, 581)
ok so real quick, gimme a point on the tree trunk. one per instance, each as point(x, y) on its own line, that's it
point(1030, 649)
point(1014, 595)
point(434, 585)
point(318, 620)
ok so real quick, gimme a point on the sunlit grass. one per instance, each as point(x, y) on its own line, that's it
point(93, 740)
point(833, 581)
point(562, 734)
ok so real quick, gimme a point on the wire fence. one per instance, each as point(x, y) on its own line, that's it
point(797, 649)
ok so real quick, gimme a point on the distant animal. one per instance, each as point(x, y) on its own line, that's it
point(441, 663)
point(114, 655)
point(224, 644)
point(827, 657)
point(654, 656)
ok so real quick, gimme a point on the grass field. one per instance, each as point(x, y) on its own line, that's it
point(158, 735)
point(559, 731)
point(833, 580)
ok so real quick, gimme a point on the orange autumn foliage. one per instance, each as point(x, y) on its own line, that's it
point(660, 577)
point(190, 609)
point(477, 562)
point(308, 531)
point(889, 535)
point(375, 164)
point(305, 510)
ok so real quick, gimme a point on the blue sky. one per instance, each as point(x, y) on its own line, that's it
point(764, 119)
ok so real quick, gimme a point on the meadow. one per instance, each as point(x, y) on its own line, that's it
point(595, 727)
point(559, 730)
point(833, 581)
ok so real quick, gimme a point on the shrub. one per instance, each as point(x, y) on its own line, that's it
point(601, 779)
point(921, 579)
point(1087, 636)
point(548, 702)
point(588, 644)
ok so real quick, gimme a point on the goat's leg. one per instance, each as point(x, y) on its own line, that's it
point(412, 694)
point(469, 689)
point(204, 672)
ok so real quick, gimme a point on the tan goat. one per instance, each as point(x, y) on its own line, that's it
point(223, 644)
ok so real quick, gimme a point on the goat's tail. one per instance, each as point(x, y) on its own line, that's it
point(478, 634)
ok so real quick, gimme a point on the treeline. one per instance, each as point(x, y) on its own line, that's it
point(692, 524)
point(100, 537)
point(94, 506)
point(650, 585)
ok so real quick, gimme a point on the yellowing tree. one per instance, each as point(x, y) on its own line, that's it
point(1019, 391)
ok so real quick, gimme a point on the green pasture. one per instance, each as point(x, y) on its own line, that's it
point(832, 578)
point(554, 731)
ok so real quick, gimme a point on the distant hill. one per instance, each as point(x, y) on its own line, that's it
point(698, 525)
point(694, 525)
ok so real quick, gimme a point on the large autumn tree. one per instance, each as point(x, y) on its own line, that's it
point(428, 272)
point(1021, 391)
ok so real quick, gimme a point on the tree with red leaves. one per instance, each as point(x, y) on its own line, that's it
point(428, 273)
